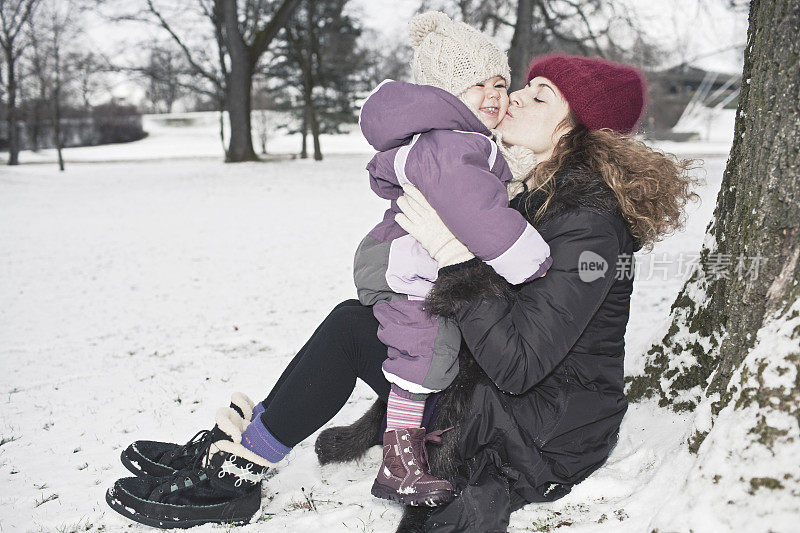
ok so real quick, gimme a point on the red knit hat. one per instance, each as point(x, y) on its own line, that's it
point(601, 93)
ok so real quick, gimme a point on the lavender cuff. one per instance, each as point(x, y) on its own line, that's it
point(257, 410)
point(260, 441)
point(407, 395)
point(526, 258)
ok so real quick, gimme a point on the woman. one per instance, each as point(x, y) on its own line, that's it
point(538, 401)
point(540, 406)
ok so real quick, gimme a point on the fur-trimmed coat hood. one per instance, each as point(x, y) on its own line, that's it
point(539, 398)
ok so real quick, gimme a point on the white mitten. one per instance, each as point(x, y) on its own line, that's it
point(422, 222)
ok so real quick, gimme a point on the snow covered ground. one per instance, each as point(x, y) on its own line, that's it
point(139, 290)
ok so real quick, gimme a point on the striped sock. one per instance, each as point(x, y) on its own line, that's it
point(403, 409)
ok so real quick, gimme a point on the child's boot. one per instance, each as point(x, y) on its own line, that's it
point(404, 475)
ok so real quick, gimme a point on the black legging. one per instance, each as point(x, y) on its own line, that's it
point(321, 377)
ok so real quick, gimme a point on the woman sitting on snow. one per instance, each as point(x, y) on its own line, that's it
point(539, 397)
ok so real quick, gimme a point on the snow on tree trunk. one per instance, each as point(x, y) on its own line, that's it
point(732, 351)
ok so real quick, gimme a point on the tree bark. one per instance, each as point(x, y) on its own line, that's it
point(238, 88)
point(57, 91)
point(710, 356)
point(221, 124)
point(304, 135)
point(238, 80)
point(313, 124)
point(309, 75)
point(14, 15)
point(240, 147)
point(11, 114)
point(519, 55)
point(41, 72)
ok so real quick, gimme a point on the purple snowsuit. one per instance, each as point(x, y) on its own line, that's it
point(428, 137)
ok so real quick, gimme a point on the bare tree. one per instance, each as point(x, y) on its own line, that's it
point(243, 31)
point(89, 72)
point(60, 14)
point(164, 71)
point(265, 122)
point(14, 16)
point(57, 63)
point(40, 74)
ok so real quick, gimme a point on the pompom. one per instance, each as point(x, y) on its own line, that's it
point(421, 25)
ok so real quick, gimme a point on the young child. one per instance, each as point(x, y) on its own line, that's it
point(435, 135)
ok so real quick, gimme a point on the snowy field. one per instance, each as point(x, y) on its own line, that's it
point(149, 281)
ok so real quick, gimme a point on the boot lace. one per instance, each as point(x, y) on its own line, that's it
point(192, 474)
point(195, 444)
point(434, 437)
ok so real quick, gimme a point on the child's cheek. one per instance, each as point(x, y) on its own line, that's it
point(501, 113)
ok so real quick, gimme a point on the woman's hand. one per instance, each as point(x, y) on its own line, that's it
point(422, 222)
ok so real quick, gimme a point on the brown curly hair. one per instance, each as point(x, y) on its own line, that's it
point(652, 187)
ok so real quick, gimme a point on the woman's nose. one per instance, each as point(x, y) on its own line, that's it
point(516, 98)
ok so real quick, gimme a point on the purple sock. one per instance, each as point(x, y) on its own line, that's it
point(263, 443)
point(257, 410)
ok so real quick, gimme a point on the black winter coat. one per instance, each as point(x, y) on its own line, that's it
point(539, 398)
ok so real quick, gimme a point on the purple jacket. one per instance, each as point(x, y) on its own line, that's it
point(428, 137)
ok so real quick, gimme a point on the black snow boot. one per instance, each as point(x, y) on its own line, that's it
point(159, 459)
point(223, 485)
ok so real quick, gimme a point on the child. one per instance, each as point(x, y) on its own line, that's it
point(435, 136)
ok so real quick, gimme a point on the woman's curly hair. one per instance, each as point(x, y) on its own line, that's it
point(652, 187)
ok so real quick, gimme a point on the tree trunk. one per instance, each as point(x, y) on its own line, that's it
point(57, 32)
point(314, 124)
point(238, 88)
point(11, 114)
point(304, 135)
point(240, 147)
point(519, 56)
point(310, 79)
point(733, 336)
point(221, 109)
point(315, 134)
point(36, 124)
point(57, 128)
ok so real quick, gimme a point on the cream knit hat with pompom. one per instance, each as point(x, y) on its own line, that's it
point(452, 55)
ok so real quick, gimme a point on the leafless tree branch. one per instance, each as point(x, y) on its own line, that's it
point(187, 53)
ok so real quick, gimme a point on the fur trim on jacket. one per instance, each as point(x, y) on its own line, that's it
point(456, 287)
point(466, 282)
